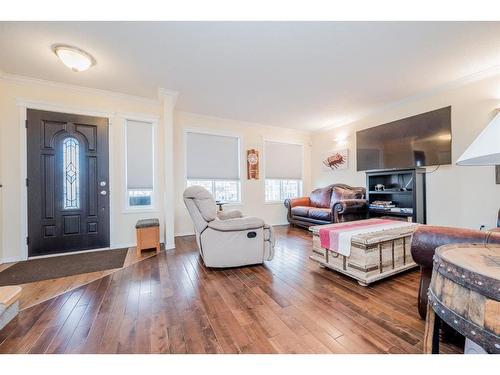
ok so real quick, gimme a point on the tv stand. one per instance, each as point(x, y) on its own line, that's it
point(405, 188)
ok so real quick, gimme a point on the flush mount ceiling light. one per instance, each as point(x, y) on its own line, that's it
point(74, 58)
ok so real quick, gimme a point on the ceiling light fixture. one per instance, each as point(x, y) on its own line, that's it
point(74, 58)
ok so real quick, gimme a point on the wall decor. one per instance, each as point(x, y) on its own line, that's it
point(252, 164)
point(337, 160)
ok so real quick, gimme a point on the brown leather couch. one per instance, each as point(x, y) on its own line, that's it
point(425, 241)
point(332, 204)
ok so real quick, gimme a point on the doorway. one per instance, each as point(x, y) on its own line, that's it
point(67, 182)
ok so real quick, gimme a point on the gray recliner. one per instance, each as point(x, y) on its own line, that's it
point(227, 238)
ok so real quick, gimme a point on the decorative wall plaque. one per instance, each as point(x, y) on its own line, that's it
point(336, 160)
point(252, 164)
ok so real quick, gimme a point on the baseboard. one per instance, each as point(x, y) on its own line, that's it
point(169, 246)
point(10, 260)
point(183, 234)
point(279, 224)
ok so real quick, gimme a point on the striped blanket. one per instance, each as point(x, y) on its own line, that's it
point(337, 237)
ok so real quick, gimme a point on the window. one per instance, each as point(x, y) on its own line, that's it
point(279, 190)
point(212, 161)
point(71, 181)
point(140, 164)
point(283, 169)
point(222, 190)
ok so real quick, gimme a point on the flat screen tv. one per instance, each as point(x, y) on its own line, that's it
point(416, 141)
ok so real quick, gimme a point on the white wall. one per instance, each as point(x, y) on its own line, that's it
point(16, 92)
point(64, 98)
point(456, 196)
point(252, 191)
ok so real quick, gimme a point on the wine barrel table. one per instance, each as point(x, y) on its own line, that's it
point(465, 293)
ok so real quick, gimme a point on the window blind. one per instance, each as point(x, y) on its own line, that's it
point(139, 154)
point(283, 160)
point(212, 157)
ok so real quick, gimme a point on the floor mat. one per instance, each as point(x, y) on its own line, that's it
point(61, 266)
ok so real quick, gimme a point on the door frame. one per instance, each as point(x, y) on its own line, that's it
point(23, 106)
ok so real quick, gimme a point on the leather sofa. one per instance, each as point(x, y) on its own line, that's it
point(425, 241)
point(332, 204)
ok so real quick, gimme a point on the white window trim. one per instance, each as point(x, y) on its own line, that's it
point(301, 189)
point(264, 168)
point(154, 207)
point(222, 134)
point(232, 203)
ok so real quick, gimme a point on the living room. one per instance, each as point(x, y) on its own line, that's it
point(245, 187)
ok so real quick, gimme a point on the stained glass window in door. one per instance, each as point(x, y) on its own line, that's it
point(71, 174)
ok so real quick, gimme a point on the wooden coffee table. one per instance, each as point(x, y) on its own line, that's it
point(374, 256)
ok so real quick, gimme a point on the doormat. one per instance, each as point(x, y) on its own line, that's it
point(61, 266)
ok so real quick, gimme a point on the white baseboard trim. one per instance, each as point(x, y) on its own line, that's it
point(169, 246)
point(10, 260)
point(182, 234)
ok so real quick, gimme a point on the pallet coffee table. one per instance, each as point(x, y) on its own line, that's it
point(374, 256)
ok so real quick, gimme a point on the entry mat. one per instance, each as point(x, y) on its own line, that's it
point(61, 266)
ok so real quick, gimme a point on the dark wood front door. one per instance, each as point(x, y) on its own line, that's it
point(68, 182)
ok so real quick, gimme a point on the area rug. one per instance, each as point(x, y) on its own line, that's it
point(62, 266)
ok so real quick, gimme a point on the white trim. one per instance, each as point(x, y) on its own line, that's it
point(168, 100)
point(58, 107)
point(137, 116)
point(23, 155)
point(154, 207)
point(23, 106)
point(301, 188)
point(83, 89)
point(183, 234)
point(220, 133)
point(243, 123)
point(474, 77)
point(140, 210)
point(173, 94)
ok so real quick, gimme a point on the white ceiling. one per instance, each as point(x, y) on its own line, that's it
point(305, 75)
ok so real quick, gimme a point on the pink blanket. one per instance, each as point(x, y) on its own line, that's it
point(337, 237)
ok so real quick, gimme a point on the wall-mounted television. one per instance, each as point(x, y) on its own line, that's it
point(415, 141)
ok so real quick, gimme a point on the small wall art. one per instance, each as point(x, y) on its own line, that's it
point(252, 164)
point(336, 160)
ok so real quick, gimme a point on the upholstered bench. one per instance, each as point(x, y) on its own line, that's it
point(148, 235)
point(9, 303)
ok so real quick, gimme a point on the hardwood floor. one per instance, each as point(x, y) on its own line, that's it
point(171, 303)
point(39, 291)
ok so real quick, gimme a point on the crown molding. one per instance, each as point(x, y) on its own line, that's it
point(83, 89)
point(474, 77)
point(244, 123)
point(166, 93)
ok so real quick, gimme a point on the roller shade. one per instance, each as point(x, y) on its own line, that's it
point(139, 155)
point(283, 161)
point(212, 157)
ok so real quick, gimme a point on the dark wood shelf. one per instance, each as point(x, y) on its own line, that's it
point(390, 192)
point(413, 179)
point(389, 213)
